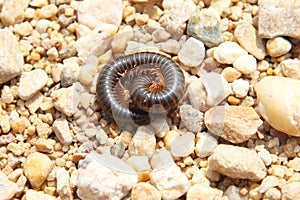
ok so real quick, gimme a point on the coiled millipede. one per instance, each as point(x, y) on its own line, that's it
point(133, 87)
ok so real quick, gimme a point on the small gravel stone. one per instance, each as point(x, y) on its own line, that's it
point(38, 3)
point(278, 46)
point(228, 52)
point(191, 118)
point(270, 25)
point(273, 193)
point(205, 144)
point(34, 103)
point(4, 123)
point(265, 156)
point(30, 84)
point(48, 11)
point(267, 183)
point(233, 192)
point(118, 44)
point(248, 38)
point(66, 100)
point(8, 188)
point(63, 184)
point(45, 145)
point(222, 6)
point(6, 139)
point(295, 164)
point(86, 74)
point(170, 46)
point(192, 52)
point(237, 162)
point(240, 88)
point(246, 64)
point(183, 145)
point(230, 74)
point(62, 131)
point(205, 26)
point(233, 123)
point(33, 195)
point(278, 106)
point(160, 35)
point(11, 58)
point(94, 12)
point(101, 176)
point(145, 191)
point(67, 77)
point(23, 29)
point(167, 176)
point(12, 12)
point(201, 192)
point(139, 163)
point(290, 190)
point(36, 168)
point(291, 68)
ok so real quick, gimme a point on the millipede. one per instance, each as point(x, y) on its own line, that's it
point(132, 88)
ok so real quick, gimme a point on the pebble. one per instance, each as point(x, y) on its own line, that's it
point(295, 164)
point(175, 18)
point(228, 52)
point(36, 168)
point(141, 19)
point(230, 74)
point(291, 68)
point(119, 42)
point(86, 74)
point(233, 192)
point(267, 183)
point(101, 176)
point(67, 77)
point(34, 103)
point(191, 118)
point(248, 38)
point(38, 3)
point(290, 190)
point(278, 46)
point(237, 162)
point(205, 26)
point(272, 193)
point(246, 64)
point(208, 91)
point(279, 107)
point(23, 29)
point(30, 85)
point(265, 156)
point(11, 58)
point(139, 163)
point(8, 188)
point(33, 195)
point(160, 35)
point(240, 88)
point(192, 52)
point(145, 191)
point(62, 131)
point(5, 123)
point(273, 18)
point(45, 145)
point(233, 123)
point(63, 184)
point(222, 6)
point(167, 176)
point(48, 11)
point(66, 100)
point(205, 144)
point(170, 46)
point(203, 192)
point(6, 139)
point(94, 12)
point(183, 145)
point(143, 142)
point(12, 12)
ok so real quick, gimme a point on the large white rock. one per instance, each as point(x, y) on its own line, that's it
point(278, 103)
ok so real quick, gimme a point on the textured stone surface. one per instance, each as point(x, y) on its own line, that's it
point(237, 162)
point(278, 103)
point(278, 46)
point(145, 191)
point(62, 131)
point(228, 52)
point(192, 52)
point(291, 68)
point(279, 18)
point(233, 123)
point(13, 11)
point(7, 188)
point(203, 192)
point(101, 176)
point(205, 26)
point(191, 118)
point(11, 58)
point(34, 195)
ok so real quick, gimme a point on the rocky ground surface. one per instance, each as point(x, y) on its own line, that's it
point(235, 134)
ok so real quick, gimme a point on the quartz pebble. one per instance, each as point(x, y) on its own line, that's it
point(170, 46)
point(246, 64)
point(240, 88)
point(278, 46)
point(62, 131)
point(205, 144)
point(145, 191)
point(192, 53)
point(248, 38)
point(270, 25)
point(11, 59)
point(36, 168)
point(63, 184)
point(205, 26)
point(290, 190)
point(203, 192)
point(233, 192)
point(228, 52)
point(101, 176)
point(94, 12)
point(8, 188)
point(183, 145)
point(12, 12)
point(237, 162)
point(233, 123)
point(33, 195)
point(291, 68)
point(278, 99)
point(167, 176)
point(30, 85)
point(191, 118)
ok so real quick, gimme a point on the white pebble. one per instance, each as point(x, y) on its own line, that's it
point(246, 64)
point(228, 52)
point(278, 46)
point(192, 52)
point(240, 88)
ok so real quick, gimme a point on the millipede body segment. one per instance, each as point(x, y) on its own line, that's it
point(134, 87)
